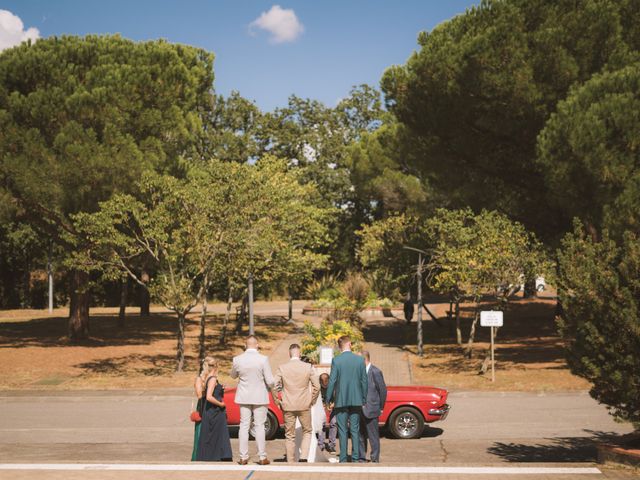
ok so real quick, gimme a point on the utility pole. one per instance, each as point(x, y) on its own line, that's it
point(251, 327)
point(419, 282)
point(290, 319)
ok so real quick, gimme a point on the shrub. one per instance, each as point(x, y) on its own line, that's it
point(383, 284)
point(328, 333)
point(325, 287)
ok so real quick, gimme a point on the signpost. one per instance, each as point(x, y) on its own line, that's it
point(493, 319)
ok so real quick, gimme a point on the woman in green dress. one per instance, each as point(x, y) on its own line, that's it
point(200, 393)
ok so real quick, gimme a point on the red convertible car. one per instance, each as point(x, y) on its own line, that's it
point(405, 413)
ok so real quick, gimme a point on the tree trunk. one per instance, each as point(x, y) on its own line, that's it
point(180, 349)
point(227, 315)
point(241, 317)
point(124, 292)
point(458, 330)
point(486, 363)
point(145, 299)
point(79, 308)
point(472, 333)
point(290, 319)
point(26, 287)
point(430, 313)
point(529, 287)
point(203, 319)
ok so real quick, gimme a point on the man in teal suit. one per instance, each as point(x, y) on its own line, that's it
point(348, 389)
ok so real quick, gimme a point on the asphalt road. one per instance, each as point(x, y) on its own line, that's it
point(482, 429)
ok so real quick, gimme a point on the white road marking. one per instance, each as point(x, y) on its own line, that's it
point(195, 467)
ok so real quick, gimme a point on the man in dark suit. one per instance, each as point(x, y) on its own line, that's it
point(348, 390)
point(376, 398)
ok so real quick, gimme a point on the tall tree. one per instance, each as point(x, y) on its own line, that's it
point(158, 225)
point(483, 84)
point(83, 118)
point(601, 316)
point(589, 151)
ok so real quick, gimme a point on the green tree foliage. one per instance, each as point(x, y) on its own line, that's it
point(230, 130)
point(483, 84)
point(82, 118)
point(590, 152)
point(599, 290)
point(21, 252)
point(315, 139)
point(382, 254)
point(383, 183)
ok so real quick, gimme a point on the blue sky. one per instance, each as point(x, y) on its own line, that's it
point(327, 46)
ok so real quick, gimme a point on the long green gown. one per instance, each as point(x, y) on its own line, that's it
point(196, 434)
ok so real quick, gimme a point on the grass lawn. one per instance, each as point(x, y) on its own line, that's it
point(529, 353)
point(35, 354)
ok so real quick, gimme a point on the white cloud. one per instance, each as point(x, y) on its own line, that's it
point(12, 31)
point(281, 23)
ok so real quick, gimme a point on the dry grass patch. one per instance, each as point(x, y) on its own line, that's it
point(35, 354)
point(529, 352)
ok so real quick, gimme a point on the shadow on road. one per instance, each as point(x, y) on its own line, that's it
point(428, 432)
point(561, 449)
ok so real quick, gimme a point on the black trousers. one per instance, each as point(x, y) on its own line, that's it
point(369, 431)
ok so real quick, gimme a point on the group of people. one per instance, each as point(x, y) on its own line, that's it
point(354, 393)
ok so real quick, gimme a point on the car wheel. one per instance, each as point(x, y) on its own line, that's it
point(270, 427)
point(406, 422)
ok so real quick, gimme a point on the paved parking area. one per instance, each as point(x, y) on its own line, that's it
point(483, 429)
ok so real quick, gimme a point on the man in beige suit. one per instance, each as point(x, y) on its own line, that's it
point(300, 390)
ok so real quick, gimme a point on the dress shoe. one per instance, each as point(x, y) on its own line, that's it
point(264, 461)
point(243, 461)
point(302, 460)
point(331, 449)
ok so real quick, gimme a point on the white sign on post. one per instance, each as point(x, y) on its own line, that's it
point(491, 318)
point(325, 355)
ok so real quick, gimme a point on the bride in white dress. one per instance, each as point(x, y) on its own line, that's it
point(318, 418)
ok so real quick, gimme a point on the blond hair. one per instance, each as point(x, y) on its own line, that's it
point(208, 364)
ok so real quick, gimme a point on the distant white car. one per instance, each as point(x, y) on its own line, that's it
point(541, 286)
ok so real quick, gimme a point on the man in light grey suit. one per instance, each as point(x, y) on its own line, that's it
point(371, 410)
point(255, 380)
